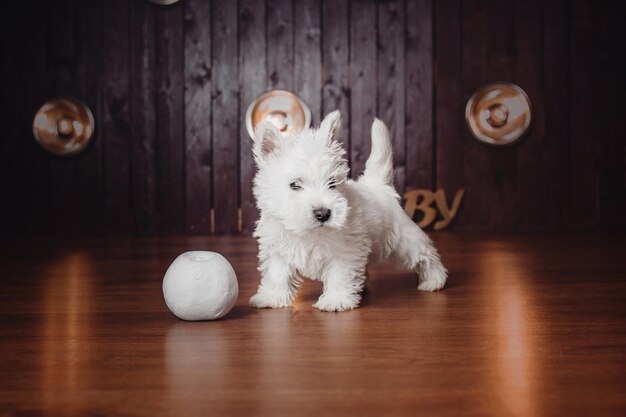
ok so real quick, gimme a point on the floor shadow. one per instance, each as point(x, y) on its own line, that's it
point(388, 286)
point(238, 312)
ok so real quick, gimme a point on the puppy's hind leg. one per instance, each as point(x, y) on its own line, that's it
point(432, 273)
point(415, 251)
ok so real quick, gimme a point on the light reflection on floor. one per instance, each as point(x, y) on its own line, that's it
point(66, 329)
point(514, 373)
point(197, 356)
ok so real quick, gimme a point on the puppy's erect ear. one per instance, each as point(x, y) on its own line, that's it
point(329, 128)
point(266, 140)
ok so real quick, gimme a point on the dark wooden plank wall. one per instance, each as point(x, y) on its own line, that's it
point(252, 50)
point(391, 81)
point(64, 208)
point(225, 116)
point(598, 144)
point(418, 97)
point(197, 70)
point(363, 78)
point(143, 116)
point(116, 127)
point(335, 64)
point(568, 172)
point(169, 87)
point(170, 161)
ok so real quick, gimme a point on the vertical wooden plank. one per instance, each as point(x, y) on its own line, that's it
point(336, 69)
point(449, 105)
point(597, 140)
point(143, 116)
point(13, 207)
point(391, 82)
point(503, 170)
point(475, 169)
point(280, 44)
point(61, 58)
point(555, 102)
point(36, 179)
point(363, 81)
point(419, 94)
point(88, 180)
point(9, 148)
point(170, 118)
point(116, 125)
point(225, 126)
point(252, 82)
point(584, 152)
point(531, 206)
point(501, 182)
point(612, 167)
point(198, 116)
point(308, 55)
point(27, 87)
point(490, 173)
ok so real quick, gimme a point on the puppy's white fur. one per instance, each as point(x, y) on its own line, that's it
point(300, 174)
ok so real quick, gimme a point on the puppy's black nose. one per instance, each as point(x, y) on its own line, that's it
point(321, 214)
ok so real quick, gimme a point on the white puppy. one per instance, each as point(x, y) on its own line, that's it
point(317, 223)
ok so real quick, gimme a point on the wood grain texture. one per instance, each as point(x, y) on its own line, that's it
point(532, 149)
point(88, 82)
point(335, 69)
point(363, 69)
point(197, 107)
point(612, 170)
point(252, 82)
point(527, 326)
point(584, 63)
point(279, 21)
point(419, 95)
point(61, 58)
point(170, 131)
point(143, 116)
point(449, 104)
point(475, 169)
point(26, 90)
point(556, 140)
point(488, 171)
point(503, 177)
point(115, 126)
point(391, 87)
point(9, 147)
point(308, 55)
point(225, 125)
point(162, 157)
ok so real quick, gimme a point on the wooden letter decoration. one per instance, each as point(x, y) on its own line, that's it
point(421, 200)
point(412, 205)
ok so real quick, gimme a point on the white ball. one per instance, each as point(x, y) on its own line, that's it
point(200, 285)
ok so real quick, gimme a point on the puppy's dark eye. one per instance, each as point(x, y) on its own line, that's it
point(294, 186)
point(332, 185)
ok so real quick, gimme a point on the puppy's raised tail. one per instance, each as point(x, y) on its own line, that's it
point(379, 166)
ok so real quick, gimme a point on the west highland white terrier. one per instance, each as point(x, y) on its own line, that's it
point(316, 223)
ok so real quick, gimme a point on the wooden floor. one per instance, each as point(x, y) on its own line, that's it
point(529, 325)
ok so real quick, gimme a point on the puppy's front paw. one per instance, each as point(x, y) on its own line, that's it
point(334, 301)
point(270, 299)
point(432, 280)
point(430, 286)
